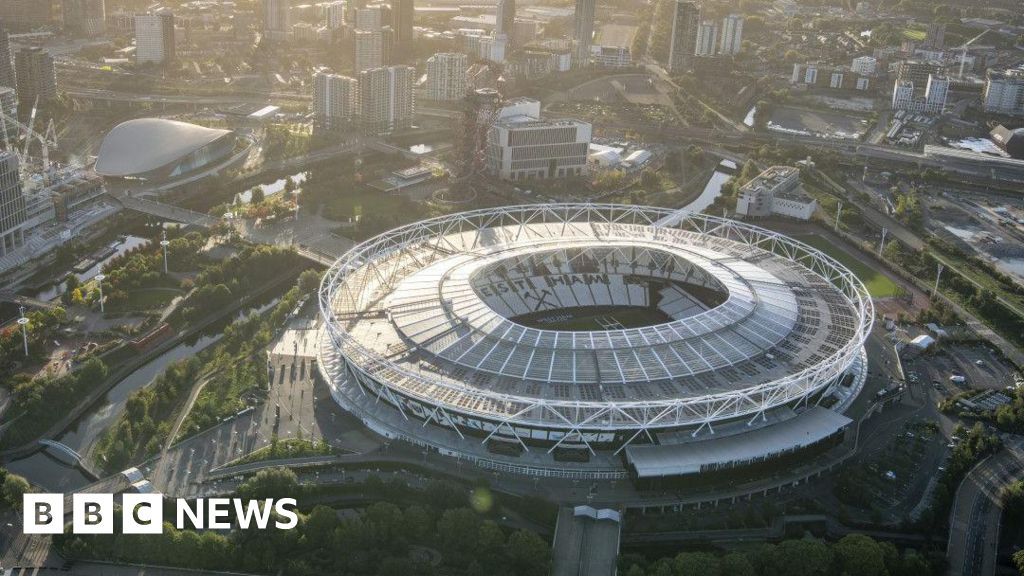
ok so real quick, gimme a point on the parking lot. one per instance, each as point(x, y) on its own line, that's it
point(976, 364)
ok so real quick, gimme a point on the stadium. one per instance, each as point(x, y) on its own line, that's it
point(595, 341)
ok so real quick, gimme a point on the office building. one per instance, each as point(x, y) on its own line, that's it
point(865, 65)
point(685, 20)
point(775, 191)
point(334, 99)
point(403, 13)
point(84, 17)
point(905, 95)
point(446, 76)
point(732, 35)
point(935, 93)
point(522, 146)
point(486, 47)
point(917, 72)
point(505, 18)
point(1004, 92)
point(386, 99)
point(583, 30)
point(154, 37)
point(707, 36)
point(334, 14)
point(35, 75)
point(12, 204)
point(7, 78)
point(373, 17)
point(276, 22)
point(935, 38)
point(26, 15)
point(373, 48)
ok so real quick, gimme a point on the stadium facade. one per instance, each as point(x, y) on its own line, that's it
point(595, 341)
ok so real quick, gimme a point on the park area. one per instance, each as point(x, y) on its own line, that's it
point(878, 284)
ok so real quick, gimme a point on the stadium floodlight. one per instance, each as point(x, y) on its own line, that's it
point(99, 281)
point(23, 322)
point(163, 244)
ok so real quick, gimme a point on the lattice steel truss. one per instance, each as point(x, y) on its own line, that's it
point(362, 278)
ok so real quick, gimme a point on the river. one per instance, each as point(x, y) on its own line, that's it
point(48, 293)
point(713, 189)
point(275, 187)
point(44, 470)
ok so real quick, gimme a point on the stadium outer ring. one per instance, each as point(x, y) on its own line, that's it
point(576, 415)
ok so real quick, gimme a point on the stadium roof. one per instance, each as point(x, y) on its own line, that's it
point(147, 144)
point(428, 311)
point(811, 426)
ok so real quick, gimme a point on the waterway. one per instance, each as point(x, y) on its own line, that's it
point(53, 291)
point(748, 120)
point(44, 470)
point(713, 189)
point(275, 187)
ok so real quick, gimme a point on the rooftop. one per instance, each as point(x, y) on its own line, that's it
point(146, 144)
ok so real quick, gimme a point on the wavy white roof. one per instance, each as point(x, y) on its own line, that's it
point(147, 144)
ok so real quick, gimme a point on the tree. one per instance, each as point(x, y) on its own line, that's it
point(736, 564)
point(802, 558)
point(256, 195)
point(701, 563)
point(649, 180)
point(273, 483)
point(528, 554)
point(309, 281)
point(859, 554)
point(1018, 561)
point(14, 487)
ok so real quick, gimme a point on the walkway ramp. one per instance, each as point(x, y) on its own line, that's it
point(586, 542)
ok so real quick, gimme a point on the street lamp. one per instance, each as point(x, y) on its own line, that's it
point(163, 244)
point(99, 280)
point(23, 321)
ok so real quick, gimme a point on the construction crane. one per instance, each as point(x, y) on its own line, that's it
point(965, 46)
point(46, 141)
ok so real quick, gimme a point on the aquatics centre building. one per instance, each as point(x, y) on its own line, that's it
point(595, 341)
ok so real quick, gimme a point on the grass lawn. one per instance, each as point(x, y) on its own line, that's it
point(915, 35)
point(879, 285)
point(364, 201)
point(148, 299)
point(589, 318)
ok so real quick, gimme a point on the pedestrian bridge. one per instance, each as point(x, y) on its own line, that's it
point(68, 455)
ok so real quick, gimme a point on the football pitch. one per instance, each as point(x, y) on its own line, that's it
point(591, 318)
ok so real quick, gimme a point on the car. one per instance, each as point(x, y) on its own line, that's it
point(979, 362)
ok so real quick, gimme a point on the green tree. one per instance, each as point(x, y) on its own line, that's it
point(272, 483)
point(13, 488)
point(528, 554)
point(1018, 561)
point(859, 554)
point(256, 195)
point(736, 564)
point(309, 281)
point(697, 564)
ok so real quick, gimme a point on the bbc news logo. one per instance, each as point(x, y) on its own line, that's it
point(144, 513)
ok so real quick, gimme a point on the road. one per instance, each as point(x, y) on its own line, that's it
point(974, 521)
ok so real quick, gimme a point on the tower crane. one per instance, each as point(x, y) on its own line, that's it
point(45, 141)
point(964, 47)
